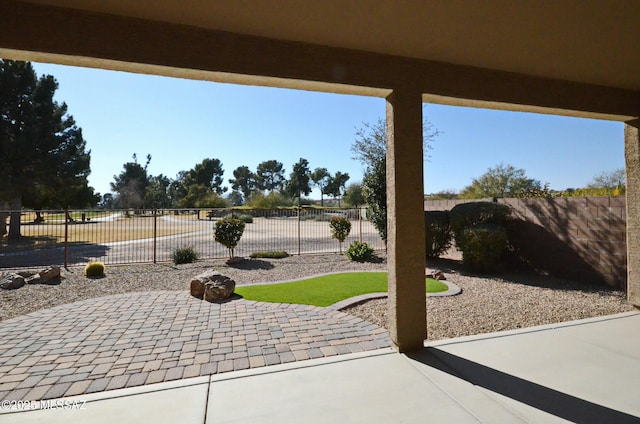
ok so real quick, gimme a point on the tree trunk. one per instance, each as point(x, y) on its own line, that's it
point(14, 221)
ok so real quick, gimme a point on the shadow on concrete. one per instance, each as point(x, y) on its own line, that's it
point(535, 395)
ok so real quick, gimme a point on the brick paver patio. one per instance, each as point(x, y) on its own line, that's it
point(143, 338)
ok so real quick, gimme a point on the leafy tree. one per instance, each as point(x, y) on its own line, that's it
point(370, 148)
point(299, 180)
point(131, 184)
point(207, 173)
point(228, 232)
point(270, 175)
point(370, 145)
point(353, 195)
point(199, 196)
point(235, 198)
point(610, 179)
point(177, 189)
point(44, 161)
point(320, 178)
point(243, 180)
point(500, 181)
point(157, 193)
point(443, 195)
point(336, 186)
point(340, 229)
point(272, 200)
point(374, 191)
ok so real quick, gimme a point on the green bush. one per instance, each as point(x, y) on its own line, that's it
point(228, 233)
point(466, 215)
point(94, 269)
point(483, 247)
point(244, 217)
point(272, 200)
point(270, 254)
point(184, 255)
point(340, 229)
point(360, 252)
point(437, 233)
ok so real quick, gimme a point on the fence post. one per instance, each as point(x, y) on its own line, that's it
point(155, 234)
point(360, 222)
point(66, 238)
point(299, 250)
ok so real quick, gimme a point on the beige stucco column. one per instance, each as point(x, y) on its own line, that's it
point(405, 220)
point(632, 158)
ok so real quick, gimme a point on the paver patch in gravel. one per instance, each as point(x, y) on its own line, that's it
point(142, 338)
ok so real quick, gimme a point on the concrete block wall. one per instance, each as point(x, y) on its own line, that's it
point(580, 238)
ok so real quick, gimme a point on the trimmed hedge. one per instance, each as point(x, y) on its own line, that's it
point(437, 233)
point(466, 215)
point(483, 247)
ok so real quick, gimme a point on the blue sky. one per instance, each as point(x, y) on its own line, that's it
point(181, 122)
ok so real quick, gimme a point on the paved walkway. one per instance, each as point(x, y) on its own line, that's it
point(582, 371)
point(137, 339)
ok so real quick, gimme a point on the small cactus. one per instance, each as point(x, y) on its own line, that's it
point(94, 269)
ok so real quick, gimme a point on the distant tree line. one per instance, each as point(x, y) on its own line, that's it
point(502, 181)
point(203, 186)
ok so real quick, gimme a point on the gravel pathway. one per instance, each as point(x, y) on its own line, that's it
point(487, 304)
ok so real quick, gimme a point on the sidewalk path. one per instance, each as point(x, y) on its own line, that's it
point(142, 338)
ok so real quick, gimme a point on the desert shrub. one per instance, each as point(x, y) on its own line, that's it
point(360, 252)
point(184, 255)
point(437, 233)
point(340, 229)
point(244, 217)
point(269, 254)
point(466, 215)
point(94, 269)
point(228, 233)
point(483, 246)
point(272, 200)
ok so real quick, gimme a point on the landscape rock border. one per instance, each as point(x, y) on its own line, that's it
point(49, 275)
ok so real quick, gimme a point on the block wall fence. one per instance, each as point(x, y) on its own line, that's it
point(578, 238)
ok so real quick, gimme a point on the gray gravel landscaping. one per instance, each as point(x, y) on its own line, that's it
point(486, 304)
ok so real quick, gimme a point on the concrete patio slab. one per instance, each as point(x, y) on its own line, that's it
point(582, 371)
point(175, 402)
point(382, 388)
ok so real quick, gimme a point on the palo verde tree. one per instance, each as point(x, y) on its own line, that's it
point(44, 158)
point(500, 181)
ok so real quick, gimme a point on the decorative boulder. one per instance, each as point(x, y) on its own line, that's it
point(212, 286)
point(49, 275)
point(437, 275)
point(218, 291)
point(12, 281)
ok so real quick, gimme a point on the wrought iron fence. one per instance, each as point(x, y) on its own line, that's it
point(124, 236)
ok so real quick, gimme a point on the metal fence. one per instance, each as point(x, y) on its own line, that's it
point(120, 236)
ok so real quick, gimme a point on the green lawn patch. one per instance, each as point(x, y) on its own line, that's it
point(327, 289)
